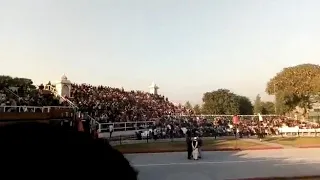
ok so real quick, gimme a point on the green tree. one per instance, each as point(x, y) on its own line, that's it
point(222, 101)
point(188, 105)
point(245, 105)
point(294, 86)
point(197, 109)
point(258, 105)
point(8, 81)
point(267, 108)
point(284, 103)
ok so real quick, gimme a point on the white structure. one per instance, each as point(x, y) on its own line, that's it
point(153, 88)
point(63, 87)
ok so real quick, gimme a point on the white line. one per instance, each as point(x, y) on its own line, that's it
point(297, 163)
point(221, 162)
point(205, 162)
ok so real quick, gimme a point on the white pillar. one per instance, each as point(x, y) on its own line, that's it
point(153, 88)
point(63, 86)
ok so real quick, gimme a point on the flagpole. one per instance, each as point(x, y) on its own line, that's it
point(236, 137)
point(275, 98)
point(259, 125)
point(236, 122)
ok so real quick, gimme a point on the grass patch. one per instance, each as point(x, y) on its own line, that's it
point(295, 141)
point(181, 146)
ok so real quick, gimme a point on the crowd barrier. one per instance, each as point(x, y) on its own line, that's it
point(9, 113)
point(124, 126)
point(225, 115)
point(21, 109)
point(296, 131)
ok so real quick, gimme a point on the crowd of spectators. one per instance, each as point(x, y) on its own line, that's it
point(104, 103)
point(223, 126)
point(107, 104)
point(21, 97)
point(117, 105)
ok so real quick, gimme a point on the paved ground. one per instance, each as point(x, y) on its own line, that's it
point(117, 142)
point(255, 140)
point(227, 165)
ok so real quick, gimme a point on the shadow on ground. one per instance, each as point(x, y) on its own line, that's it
point(227, 165)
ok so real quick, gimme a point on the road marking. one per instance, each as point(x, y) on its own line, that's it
point(296, 163)
point(205, 162)
point(199, 162)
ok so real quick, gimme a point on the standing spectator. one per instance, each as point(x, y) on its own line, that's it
point(110, 130)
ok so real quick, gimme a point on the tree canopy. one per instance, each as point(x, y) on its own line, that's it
point(267, 107)
point(263, 107)
point(298, 80)
point(188, 105)
point(8, 81)
point(294, 86)
point(197, 109)
point(257, 105)
point(223, 101)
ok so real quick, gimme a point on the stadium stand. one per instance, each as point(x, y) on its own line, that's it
point(102, 106)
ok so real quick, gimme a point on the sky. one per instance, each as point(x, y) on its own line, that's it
point(187, 47)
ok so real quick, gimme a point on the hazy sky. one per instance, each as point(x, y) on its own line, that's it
point(186, 47)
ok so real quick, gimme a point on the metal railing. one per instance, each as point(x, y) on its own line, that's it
point(23, 109)
point(286, 131)
point(226, 115)
point(124, 126)
point(7, 89)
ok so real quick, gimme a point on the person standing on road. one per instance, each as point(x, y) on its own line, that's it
point(189, 145)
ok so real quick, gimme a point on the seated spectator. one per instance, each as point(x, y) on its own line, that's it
point(116, 105)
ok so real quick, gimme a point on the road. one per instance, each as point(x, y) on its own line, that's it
point(227, 165)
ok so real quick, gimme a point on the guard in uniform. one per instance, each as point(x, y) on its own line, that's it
point(189, 143)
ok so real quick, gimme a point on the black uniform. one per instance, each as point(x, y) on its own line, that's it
point(189, 145)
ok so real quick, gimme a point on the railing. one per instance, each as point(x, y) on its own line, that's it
point(124, 126)
point(70, 102)
point(93, 124)
point(224, 115)
point(7, 89)
point(296, 131)
point(22, 109)
point(65, 99)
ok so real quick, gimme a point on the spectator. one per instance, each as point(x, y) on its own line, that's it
point(117, 105)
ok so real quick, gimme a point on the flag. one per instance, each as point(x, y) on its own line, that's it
point(260, 117)
point(235, 119)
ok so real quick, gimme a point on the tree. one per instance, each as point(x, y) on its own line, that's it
point(245, 105)
point(8, 81)
point(257, 105)
point(197, 109)
point(222, 101)
point(267, 108)
point(284, 103)
point(188, 105)
point(296, 85)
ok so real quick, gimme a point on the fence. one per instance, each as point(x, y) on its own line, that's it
point(295, 131)
point(124, 126)
point(226, 116)
point(21, 109)
point(130, 126)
